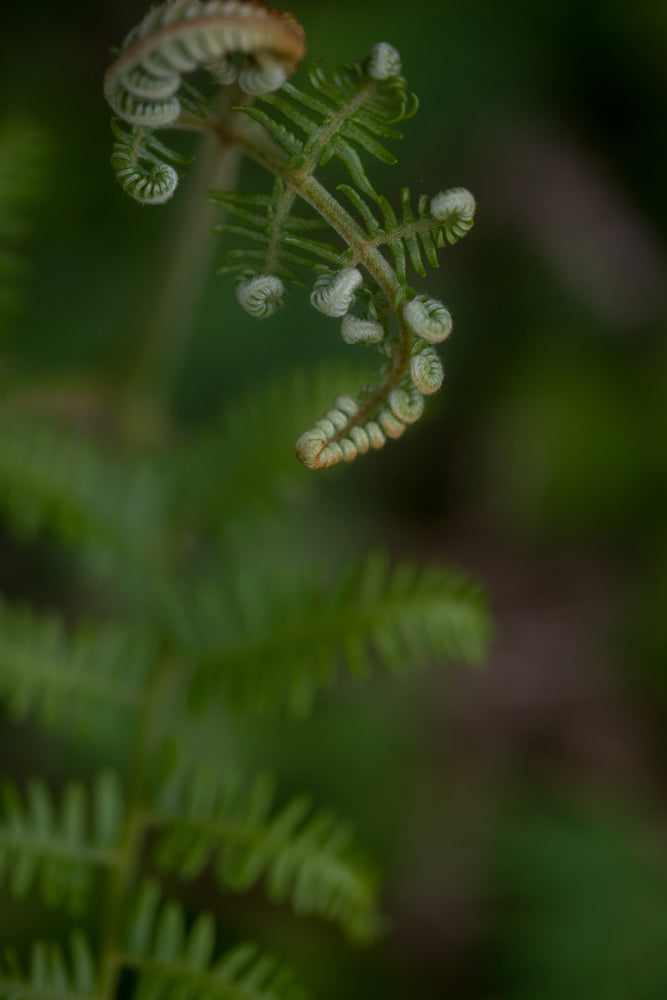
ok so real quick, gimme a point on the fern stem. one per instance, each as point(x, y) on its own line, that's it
point(180, 285)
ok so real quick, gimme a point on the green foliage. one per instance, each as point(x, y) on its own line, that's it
point(59, 847)
point(163, 626)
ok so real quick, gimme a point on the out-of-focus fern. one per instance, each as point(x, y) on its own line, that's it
point(59, 846)
point(303, 856)
point(253, 645)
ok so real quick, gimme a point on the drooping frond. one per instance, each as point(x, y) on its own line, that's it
point(51, 975)
point(59, 846)
point(304, 857)
point(279, 244)
point(83, 683)
point(53, 480)
point(22, 168)
point(413, 236)
point(174, 963)
point(275, 640)
point(356, 102)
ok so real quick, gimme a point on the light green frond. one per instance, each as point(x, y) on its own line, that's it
point(275, 640)
point(51, 975)
point(85, 683)
point(58, 846)
point(174, 963)
point(304, 857)
point(53, 480)
point(412, 237)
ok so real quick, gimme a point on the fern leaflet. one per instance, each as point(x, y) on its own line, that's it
point(257, 647)
point(50, 975)
point(85, 683)
point(59, 848)
point(304, 857)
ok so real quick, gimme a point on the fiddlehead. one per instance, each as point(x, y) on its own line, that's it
point(363, 262)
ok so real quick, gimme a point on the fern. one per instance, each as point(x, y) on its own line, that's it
point(85, 683)
point(304, 857)
point(59, 848)
point(256, 647)
point(174, 963)
point(294, 134)
point(50, 975)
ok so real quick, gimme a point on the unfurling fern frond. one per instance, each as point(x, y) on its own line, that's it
point(51, 975)
point(232, 39)
point(173, 963)
point(294, 133)
point(356, 103)
point(411, 235)
point(255, 646)
point(303, 857)
point(59, 847)
point(82, 683)
point(139, 160)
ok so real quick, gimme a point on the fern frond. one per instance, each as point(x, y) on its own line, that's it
point(59, 846)
point(356, 103)
point(143, 164)
point(276, 641)
point(50, 975)
point(267, 220)
point(233, 40)
point(52, 480)
point(412, 236)
point(304, 857)
point(84, 683)
point(176, 964)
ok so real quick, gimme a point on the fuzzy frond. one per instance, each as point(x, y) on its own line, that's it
point(284, 248)
point(51, 974)
point(356, 103)
point(274, 641)
point(59, 846)
point(52, 480)
point(304, 857)
point(173, 963)
point(84, 683)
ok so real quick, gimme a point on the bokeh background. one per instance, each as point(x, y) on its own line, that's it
point(519, 812)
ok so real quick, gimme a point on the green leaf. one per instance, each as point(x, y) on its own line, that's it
point(58, 847)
